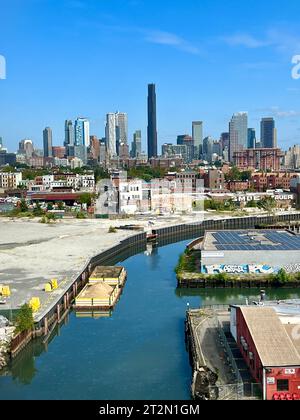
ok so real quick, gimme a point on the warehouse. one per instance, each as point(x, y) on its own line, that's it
point(250, 252)
point(269, 342)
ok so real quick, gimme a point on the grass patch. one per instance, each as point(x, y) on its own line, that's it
point(187, 263)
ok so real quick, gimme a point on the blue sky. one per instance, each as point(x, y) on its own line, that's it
point(209, 59)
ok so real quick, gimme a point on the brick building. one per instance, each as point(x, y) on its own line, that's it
point(269, 347)
point(270, 181)
point(259, 159)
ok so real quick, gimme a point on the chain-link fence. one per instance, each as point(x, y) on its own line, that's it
point(236, 389)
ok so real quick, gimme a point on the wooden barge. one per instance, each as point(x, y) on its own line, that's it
point(103, 290)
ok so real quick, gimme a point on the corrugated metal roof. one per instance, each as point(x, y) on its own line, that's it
point(271, 339)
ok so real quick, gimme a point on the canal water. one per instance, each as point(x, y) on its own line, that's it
point(137, 353)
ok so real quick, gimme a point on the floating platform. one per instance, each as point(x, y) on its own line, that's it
point(114, 276)
point(103, 290)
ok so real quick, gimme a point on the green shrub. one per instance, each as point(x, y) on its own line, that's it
point(23, 206)
point(187, 262)
point(281, 277)
point(24, 320)
point(112, 230)
point(80, 215)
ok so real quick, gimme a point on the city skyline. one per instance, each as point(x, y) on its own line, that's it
point(257, 72)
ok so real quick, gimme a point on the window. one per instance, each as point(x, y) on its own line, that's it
point(283, 385)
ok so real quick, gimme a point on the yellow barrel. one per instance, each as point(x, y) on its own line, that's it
point(35, 304)
point(48, 287)
point(6, 291)
point(54, 284)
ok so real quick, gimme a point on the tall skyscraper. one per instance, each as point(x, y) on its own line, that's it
point(238, 133)
point(69, 133)
point(121, 129)
point(198, 138)
point(82, 132)
point(152, 122)
point(116, 132)
point(225, 141)
point(111, 135)
point(251, 138)
point(94, 149)
point(268, 133)
point(136, 148)
point(186, 140)
point(208, 148)
point(26, 148)
point(47, 141)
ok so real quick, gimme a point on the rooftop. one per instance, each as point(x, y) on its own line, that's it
point(272, 339)
point(251, 240)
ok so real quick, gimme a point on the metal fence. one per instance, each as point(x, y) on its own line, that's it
point(235, 390)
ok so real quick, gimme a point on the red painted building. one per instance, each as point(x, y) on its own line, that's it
point(67, 197)
point(270, 349)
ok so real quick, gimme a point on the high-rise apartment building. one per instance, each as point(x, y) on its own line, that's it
point(251, 138)
point(121, 130)
point(136, 147)
point(111, 136)
point(47, 142)
point(238, 133)
point(26, 148)
point(292, 158)
point(116, 132)
point(94, 148)
point(268, 134)
point(152, 122)
point(170, 150)
point(224, 139)
point(186, 140)
point(82, 132)
point(208, 143)
point(197, 135)
point(69, 133)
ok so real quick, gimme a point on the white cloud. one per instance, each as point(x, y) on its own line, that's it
point(276, 112)
point(245, 40)
point(173, 40)
point(281, 38)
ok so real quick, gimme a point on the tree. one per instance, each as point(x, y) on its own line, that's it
point(8, 169)
point(282, 277)
point(24, 320)
point(251, 204)
point(38, 211)
point(100, 173)
point(86, 198)
point(23, 206)
point(268, 204)
point(236, 175)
